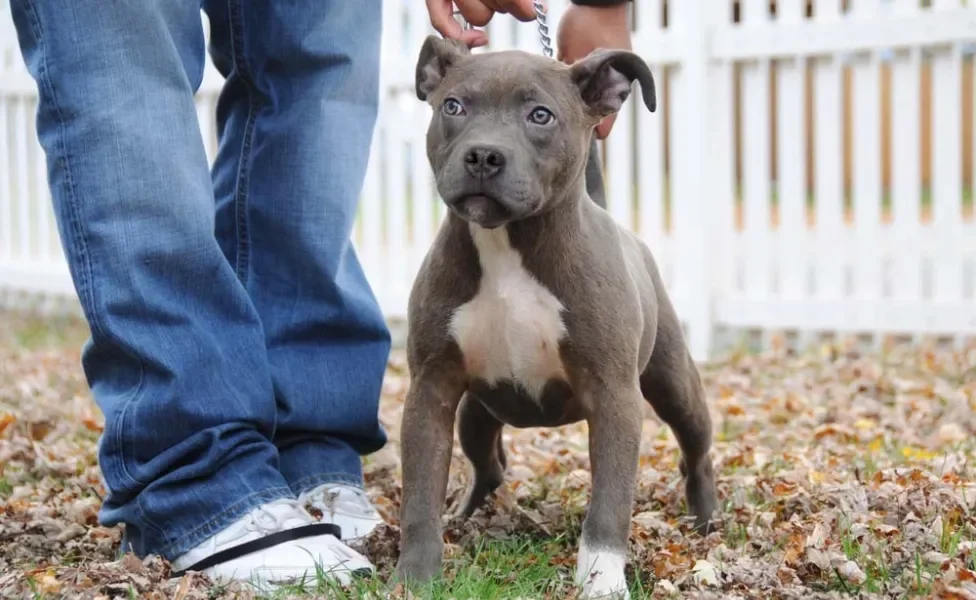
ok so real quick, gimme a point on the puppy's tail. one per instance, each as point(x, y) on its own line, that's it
point(594, 176)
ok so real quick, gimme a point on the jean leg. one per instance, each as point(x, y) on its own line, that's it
point(176, 360)
point(297, 118)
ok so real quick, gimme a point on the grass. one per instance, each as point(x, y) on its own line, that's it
point(840, 474)
point(491, 569)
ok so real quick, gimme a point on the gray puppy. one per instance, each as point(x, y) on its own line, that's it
point(533, 308)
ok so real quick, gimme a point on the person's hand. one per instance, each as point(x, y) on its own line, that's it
point(583, 29)
point(476, 12)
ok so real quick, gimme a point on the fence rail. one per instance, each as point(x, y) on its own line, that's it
point(810, 167)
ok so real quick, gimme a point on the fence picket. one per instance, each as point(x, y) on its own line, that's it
point(755, 146)
point(721, 118)
point(6, 192)
point(828, 186)
point(649, 141)
point(396, 251)
point(866, 170)
point(650, 177)
point(946, 174)
point(675, 176)
point(422, 217)
point(41, 200)
point(22, 119)
point(906, 176)
point(791, 193)
point(369, 248)
point(620, 168)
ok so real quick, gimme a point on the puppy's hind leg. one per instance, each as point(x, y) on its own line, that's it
point(671, 384)
point(480, 435)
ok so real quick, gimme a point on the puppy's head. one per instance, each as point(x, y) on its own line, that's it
point(511, 130)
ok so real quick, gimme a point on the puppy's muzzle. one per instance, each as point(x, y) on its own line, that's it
point(484, 162)
point(484, 200)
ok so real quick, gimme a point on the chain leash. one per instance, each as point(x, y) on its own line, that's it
point(541, 18)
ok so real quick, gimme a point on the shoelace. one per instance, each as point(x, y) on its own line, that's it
point(265, 519)
point(359, 502)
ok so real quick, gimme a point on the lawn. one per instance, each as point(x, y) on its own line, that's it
point(841, 475)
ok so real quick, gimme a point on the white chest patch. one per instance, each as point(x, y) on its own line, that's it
point(511, 329)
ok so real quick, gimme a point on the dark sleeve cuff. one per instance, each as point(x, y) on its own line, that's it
point(599, 2)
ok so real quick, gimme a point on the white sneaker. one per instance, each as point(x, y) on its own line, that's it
point(276, 543)
point(346, 506)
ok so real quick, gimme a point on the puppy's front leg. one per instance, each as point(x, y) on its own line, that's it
point(615, 430)
point(426, 439)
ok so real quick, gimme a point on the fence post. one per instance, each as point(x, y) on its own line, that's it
point(691, 202)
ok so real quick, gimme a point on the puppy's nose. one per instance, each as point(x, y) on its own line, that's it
point(484, 161)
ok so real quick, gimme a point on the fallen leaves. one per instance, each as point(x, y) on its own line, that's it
point(840, 474)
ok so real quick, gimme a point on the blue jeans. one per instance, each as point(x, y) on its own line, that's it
point(237, 351)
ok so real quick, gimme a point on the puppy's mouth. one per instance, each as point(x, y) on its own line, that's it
point(482, 209)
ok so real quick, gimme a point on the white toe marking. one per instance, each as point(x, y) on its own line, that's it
point(511, 329)
point(600, 571)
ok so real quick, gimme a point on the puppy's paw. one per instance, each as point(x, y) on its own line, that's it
point(600, 572)
point(701, 495)
point(419, 564)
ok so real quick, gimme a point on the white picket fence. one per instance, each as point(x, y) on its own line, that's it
point(741, 183)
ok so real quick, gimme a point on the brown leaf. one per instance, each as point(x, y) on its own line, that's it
point(787, 576)
point(794, 549)
point(49, 584)
point(132, 564)
point(784, 488)
point(92, 425)
point(6, 420)
point(38, 430)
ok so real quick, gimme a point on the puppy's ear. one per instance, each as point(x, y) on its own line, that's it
point(604, 78)
point(437, 55)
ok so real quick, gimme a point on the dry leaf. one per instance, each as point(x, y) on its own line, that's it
point(817, 536)
point(6, 420)
point(49, 584)
point(851, 572)
point(704, 573)
point(39, 430)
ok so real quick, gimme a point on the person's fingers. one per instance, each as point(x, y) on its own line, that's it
point(523, 10)
point(442, 18)
point(476, 12)
point(474, 38)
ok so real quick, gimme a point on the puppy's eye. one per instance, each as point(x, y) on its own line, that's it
point(452, 108)
point(541, 116)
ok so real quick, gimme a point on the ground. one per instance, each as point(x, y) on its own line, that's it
point(841, 475)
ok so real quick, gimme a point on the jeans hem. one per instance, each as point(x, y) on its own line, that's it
point(224, 518)
point(306, 484)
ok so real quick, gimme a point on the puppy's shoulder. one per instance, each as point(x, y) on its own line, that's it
point(635, 253)
point(606, 230)
point(447, 278)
